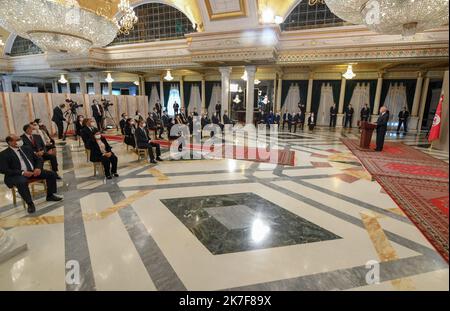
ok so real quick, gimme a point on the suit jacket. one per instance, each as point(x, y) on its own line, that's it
point(349, 112)
point(10, 163)
point(382, 122)
point(86, 136)
point(403, 115)
point(165, 120)
point(226, 119)
point(96, 154)
point(122, 124)
point(365, 113)
point(97, 113)
point(142, 137)
point(333, 111)
point(311, 121)
point(58, 115)
point(176, 107)
point(129, 135)
point(38, 145)
point(151, 123)
point(158, 107)
point(218, 107)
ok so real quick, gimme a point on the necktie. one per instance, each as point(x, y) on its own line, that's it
point(25, 159)
point(32, 140)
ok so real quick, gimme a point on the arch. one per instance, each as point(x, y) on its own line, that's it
point(9, 44)
point(157, 21)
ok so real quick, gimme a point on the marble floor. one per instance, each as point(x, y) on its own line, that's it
point(223, 225)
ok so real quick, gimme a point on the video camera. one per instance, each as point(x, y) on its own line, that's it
point(73, 105)
point(106, 103)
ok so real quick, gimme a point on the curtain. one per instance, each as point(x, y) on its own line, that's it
point(195, 100)
point(360, 96)
point(216, 96)
point(166, 86)
point(292, 99)
point(326, 101)
point(350, 87)
point(286, 85)
point(208, 91)
point(410, 85)
point(154, 97)
point(395, 100)
point(317, 88)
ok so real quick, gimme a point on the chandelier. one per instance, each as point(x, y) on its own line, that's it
point(168, 76)
point(405, 17)
point(128, 20)
point(349, 74)
point(109, 78)
point(57, 25)
point(63, 80)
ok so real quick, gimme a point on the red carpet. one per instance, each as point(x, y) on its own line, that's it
point(417, 182)
point(285, 157)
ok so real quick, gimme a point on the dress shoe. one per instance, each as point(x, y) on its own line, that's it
point(153, 162)
point(116, 175)
point(53, 198)
point(31, 209)
point(58, 177)
point(109, 177)
point(159, 159)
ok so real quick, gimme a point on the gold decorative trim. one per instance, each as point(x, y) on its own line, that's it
point(228, 15)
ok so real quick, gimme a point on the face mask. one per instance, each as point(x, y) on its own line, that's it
point(98, 136)
point(19, 143)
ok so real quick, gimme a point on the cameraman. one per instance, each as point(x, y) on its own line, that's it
point(98, 113)
point(58, 118)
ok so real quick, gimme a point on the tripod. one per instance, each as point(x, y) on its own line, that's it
point(72, 117)
point(109, 116)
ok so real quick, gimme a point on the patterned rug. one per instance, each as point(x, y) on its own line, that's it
point(417, 182)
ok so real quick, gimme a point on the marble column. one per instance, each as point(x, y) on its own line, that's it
point(110, 88)
point(83, 87)
point(250, 98)
point(97, 85)
point(423, 102)
point(142, 86)
point(309, 94)
point(443, 142)
point(225, 99)
point(376, 104)
point(203, 95)
point(340, 116)
point(414, 119)
point(279, 90)
point(161, 95)
point(55, 86)
point(9, 247)
point(182, 104)
point(7, 84)
point(68, 86)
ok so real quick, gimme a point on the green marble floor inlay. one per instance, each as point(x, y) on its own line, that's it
point(242, 222)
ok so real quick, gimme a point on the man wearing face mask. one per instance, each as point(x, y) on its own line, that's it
point(36, 143)
point(19, 164)
point(101, 151)
point(87, 132)
point(143, 142)
point(98, 114)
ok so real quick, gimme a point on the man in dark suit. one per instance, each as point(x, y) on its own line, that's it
point(158, 108)
point(123, 122)
point(312, 121)
point(98, 114)
point(382, 123)
point(36, 143)
point(403, 119)
point(333, 115)
point(226, 118)
point(349, 116)
point(58, 118)
point(219, 110)
point(299, 119)
point(19, 164)
point(87, 132)
point(176, 107)
point(365, 113)
point(143, 142)
point(302, 107)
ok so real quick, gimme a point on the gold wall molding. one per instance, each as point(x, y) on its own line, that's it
point(242, 12)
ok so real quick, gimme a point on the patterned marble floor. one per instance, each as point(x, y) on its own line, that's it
point(223, 224)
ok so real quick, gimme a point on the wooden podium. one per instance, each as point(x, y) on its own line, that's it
point(366, 135)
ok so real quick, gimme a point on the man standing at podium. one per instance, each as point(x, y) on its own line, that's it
point(382, 123)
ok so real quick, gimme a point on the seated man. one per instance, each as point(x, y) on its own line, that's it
point(19, 164)
point(143, 141)
point(87, 132)
point(38, 146)
point(129, 130)
point(101, 151)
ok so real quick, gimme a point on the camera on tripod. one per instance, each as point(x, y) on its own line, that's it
point(106, 103)
point(73, 105)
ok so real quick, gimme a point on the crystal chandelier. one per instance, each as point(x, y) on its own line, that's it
point(405, 17)
point(168, 76)
point(349, 74)
point(128, 20)
point(109, 78)
point(62, 80)
point(57, 25)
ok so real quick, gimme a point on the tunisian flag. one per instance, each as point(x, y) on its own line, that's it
point(436, 128)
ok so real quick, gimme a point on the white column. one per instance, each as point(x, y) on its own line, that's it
point(7, 84)
point(309, 96)
point(203, 94)
point(55, 86)
point(161, 95)
point(376, 104)
point(182, 104)
point(142, 86)
point(251, 71)
point(83, 88)
point(9, 247)
point(97, 85)
point(423, 101)
point(110, 88)
point(225, 99)
point(68, 86)
point(340, 116)
point(414, 119)
point(280, 87)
